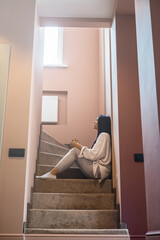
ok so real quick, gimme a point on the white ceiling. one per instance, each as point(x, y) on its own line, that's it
point(82, 13)
point(76, 8)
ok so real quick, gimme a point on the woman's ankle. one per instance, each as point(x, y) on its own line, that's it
point(54, 171)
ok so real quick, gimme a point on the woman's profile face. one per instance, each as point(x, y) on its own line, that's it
point(95, 125)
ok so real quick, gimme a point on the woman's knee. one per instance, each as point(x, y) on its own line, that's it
point(75, 151)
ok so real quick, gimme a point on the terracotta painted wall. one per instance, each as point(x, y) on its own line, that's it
point(80, 80)
point(130, 132)
point(16, 29)
point(127, 124)
point(148, 58)
point(155, 6)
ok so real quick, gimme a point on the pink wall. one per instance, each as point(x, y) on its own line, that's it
point(17, 29)
point(148, 79)
point(80, 80)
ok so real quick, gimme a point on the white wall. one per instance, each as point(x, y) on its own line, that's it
point(35, 111)
point(108, 75)
point(115, 115)
point(102, 82)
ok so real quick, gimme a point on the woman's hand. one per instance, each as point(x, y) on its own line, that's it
point(75, 143)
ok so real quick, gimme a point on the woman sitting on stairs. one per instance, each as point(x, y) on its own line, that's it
point(94, 162)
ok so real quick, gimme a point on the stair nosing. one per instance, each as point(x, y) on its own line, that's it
point(76, 194)
point(52, 137)
point(54, 154)
point(73, 180)
point(46, 165)
point(54, 145)
point(73, 210)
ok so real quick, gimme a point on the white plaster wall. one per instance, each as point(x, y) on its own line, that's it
point(35, 110)
point(115, 115)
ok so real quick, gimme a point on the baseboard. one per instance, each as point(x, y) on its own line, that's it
point(11, 236)
point(137, 237)
point(122, 225)
point(153, 235)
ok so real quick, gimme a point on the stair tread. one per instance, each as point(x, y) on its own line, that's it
point(48, 138)
point(46, 165)
point(48, 158)
point(75, 194)
point(73, 219)
point(52, 154)
point(52, 148)
point(73, 172)
point(54, 144)
point(72, 185)
point(75, 210)
point(95, 181)
point(73, 201)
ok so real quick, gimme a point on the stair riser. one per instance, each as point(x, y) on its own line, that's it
point(73, 201)
point(50, 159)
point(70, 173)
point(48, 138)
point(107, 219)
point(51, 148)
point(72, 186)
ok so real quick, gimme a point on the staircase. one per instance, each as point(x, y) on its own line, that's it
point(71, 204)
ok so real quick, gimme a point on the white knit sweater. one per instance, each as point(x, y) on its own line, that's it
point(100, 154)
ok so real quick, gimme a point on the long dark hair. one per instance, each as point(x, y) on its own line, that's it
point(104, 125)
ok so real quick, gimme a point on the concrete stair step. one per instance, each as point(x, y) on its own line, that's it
point(52, 148)
point(73, 219)
point(71, 173)
point(50, 159)
point(73, 201)
point(113, 232)
point(72, 186)
point(48, 138)
point(45, 158)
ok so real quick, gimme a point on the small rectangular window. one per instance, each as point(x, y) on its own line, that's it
point(53, 46)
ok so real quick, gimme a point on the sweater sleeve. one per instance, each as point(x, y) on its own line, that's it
point(99, 149)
